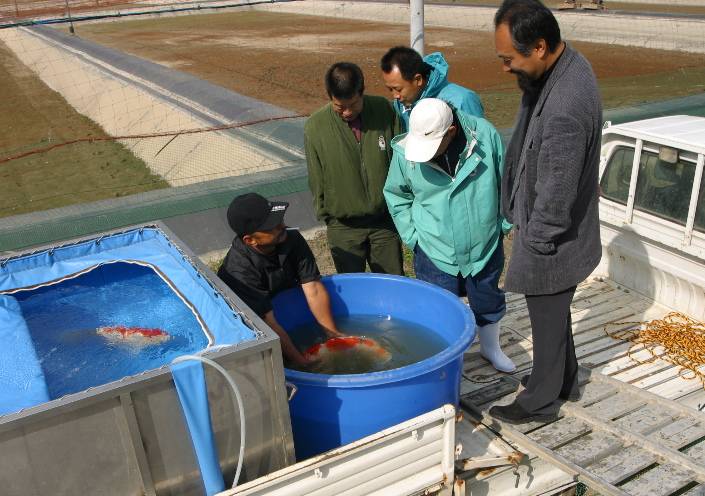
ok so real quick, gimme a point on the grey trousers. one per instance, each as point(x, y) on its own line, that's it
point(554, 373)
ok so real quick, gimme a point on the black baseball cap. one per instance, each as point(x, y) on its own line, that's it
point(251, 212)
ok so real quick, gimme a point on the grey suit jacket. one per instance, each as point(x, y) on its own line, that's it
point(550, 191)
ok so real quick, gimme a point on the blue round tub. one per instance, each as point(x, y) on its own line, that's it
point(331, 410)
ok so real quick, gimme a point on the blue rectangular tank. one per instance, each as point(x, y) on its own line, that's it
point(117, 426)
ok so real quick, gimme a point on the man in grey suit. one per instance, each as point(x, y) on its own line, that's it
point(550, 194)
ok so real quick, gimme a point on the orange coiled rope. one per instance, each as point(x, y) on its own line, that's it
point(675, 338)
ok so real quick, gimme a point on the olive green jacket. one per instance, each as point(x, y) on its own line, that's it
point(346, 177)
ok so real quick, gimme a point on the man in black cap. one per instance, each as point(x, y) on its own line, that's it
point(266, 258)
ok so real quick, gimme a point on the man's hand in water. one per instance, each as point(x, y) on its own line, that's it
point(333, 333)
point(319, 303)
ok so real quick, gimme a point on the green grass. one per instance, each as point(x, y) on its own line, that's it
point(501, 104)
point(34, 117)
point(624, 91)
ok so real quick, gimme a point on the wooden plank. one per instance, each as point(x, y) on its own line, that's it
point(590, 448)
point(676, 387)
point(469, 385)
point(610, 312)
point(525, 444)
point(596, 391)
point(597, 322)
point(633, 369)
point(615, 406)
point(694, 400)
point(605, 351)
point(645, 420)
point(665, 375)
point(679, 410)
point(522, 352)
point(697, 452)
point(662, 480)
point(518, 317)
point(491, 393)
point(681, 432)
point(594, 298)
point(696, 491)
point(516, 301)
point(559, 433)
point(627, 362)
point(622, 464)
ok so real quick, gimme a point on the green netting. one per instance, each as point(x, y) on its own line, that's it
point(688, 105)
point(54, 225)
point(175, 155)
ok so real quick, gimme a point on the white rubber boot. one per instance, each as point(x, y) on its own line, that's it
point(490, 350)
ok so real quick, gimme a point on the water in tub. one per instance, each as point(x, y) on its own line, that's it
point(372, 344)
point(114, 321)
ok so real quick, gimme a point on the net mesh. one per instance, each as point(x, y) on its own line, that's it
point(154, 109)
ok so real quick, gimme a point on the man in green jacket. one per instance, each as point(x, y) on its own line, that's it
point(348, 149)
point(443, 194)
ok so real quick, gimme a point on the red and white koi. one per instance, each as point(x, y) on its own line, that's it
point(134, 335)
point(357, 344)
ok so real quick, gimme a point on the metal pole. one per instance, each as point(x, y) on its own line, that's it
point(68, 12)
point(416, 25)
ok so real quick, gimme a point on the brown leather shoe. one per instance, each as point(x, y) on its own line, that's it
point(515, 414)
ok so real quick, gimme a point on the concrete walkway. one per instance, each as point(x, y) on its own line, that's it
point(653, 31)
point(128, 95)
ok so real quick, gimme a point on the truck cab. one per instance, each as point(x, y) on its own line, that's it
point(652, 209)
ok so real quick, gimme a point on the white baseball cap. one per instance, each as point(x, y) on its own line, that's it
point(428, 123)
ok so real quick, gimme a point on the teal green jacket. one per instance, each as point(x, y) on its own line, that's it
point(346, 177)
point(438, 86)
point(456, 221)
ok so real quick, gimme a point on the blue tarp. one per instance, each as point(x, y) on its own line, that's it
point(22, 381)
point(190, 382)
point(147, 246)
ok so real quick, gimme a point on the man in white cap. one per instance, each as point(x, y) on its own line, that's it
point(443, 193)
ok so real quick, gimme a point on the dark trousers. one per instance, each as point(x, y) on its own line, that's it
point(486, 300)
point(373, 242)
point(554, 372)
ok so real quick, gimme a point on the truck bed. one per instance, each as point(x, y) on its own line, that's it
point(572, 449)
point(597, 302)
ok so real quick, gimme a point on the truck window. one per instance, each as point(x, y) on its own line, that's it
point(663, 189)
point(617, 175)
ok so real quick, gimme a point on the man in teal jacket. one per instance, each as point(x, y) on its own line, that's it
point(443, 193)
point(348, 149)
point(410, 78)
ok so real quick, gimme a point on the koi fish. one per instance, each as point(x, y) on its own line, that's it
point(134, 335)
point(348, 355)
